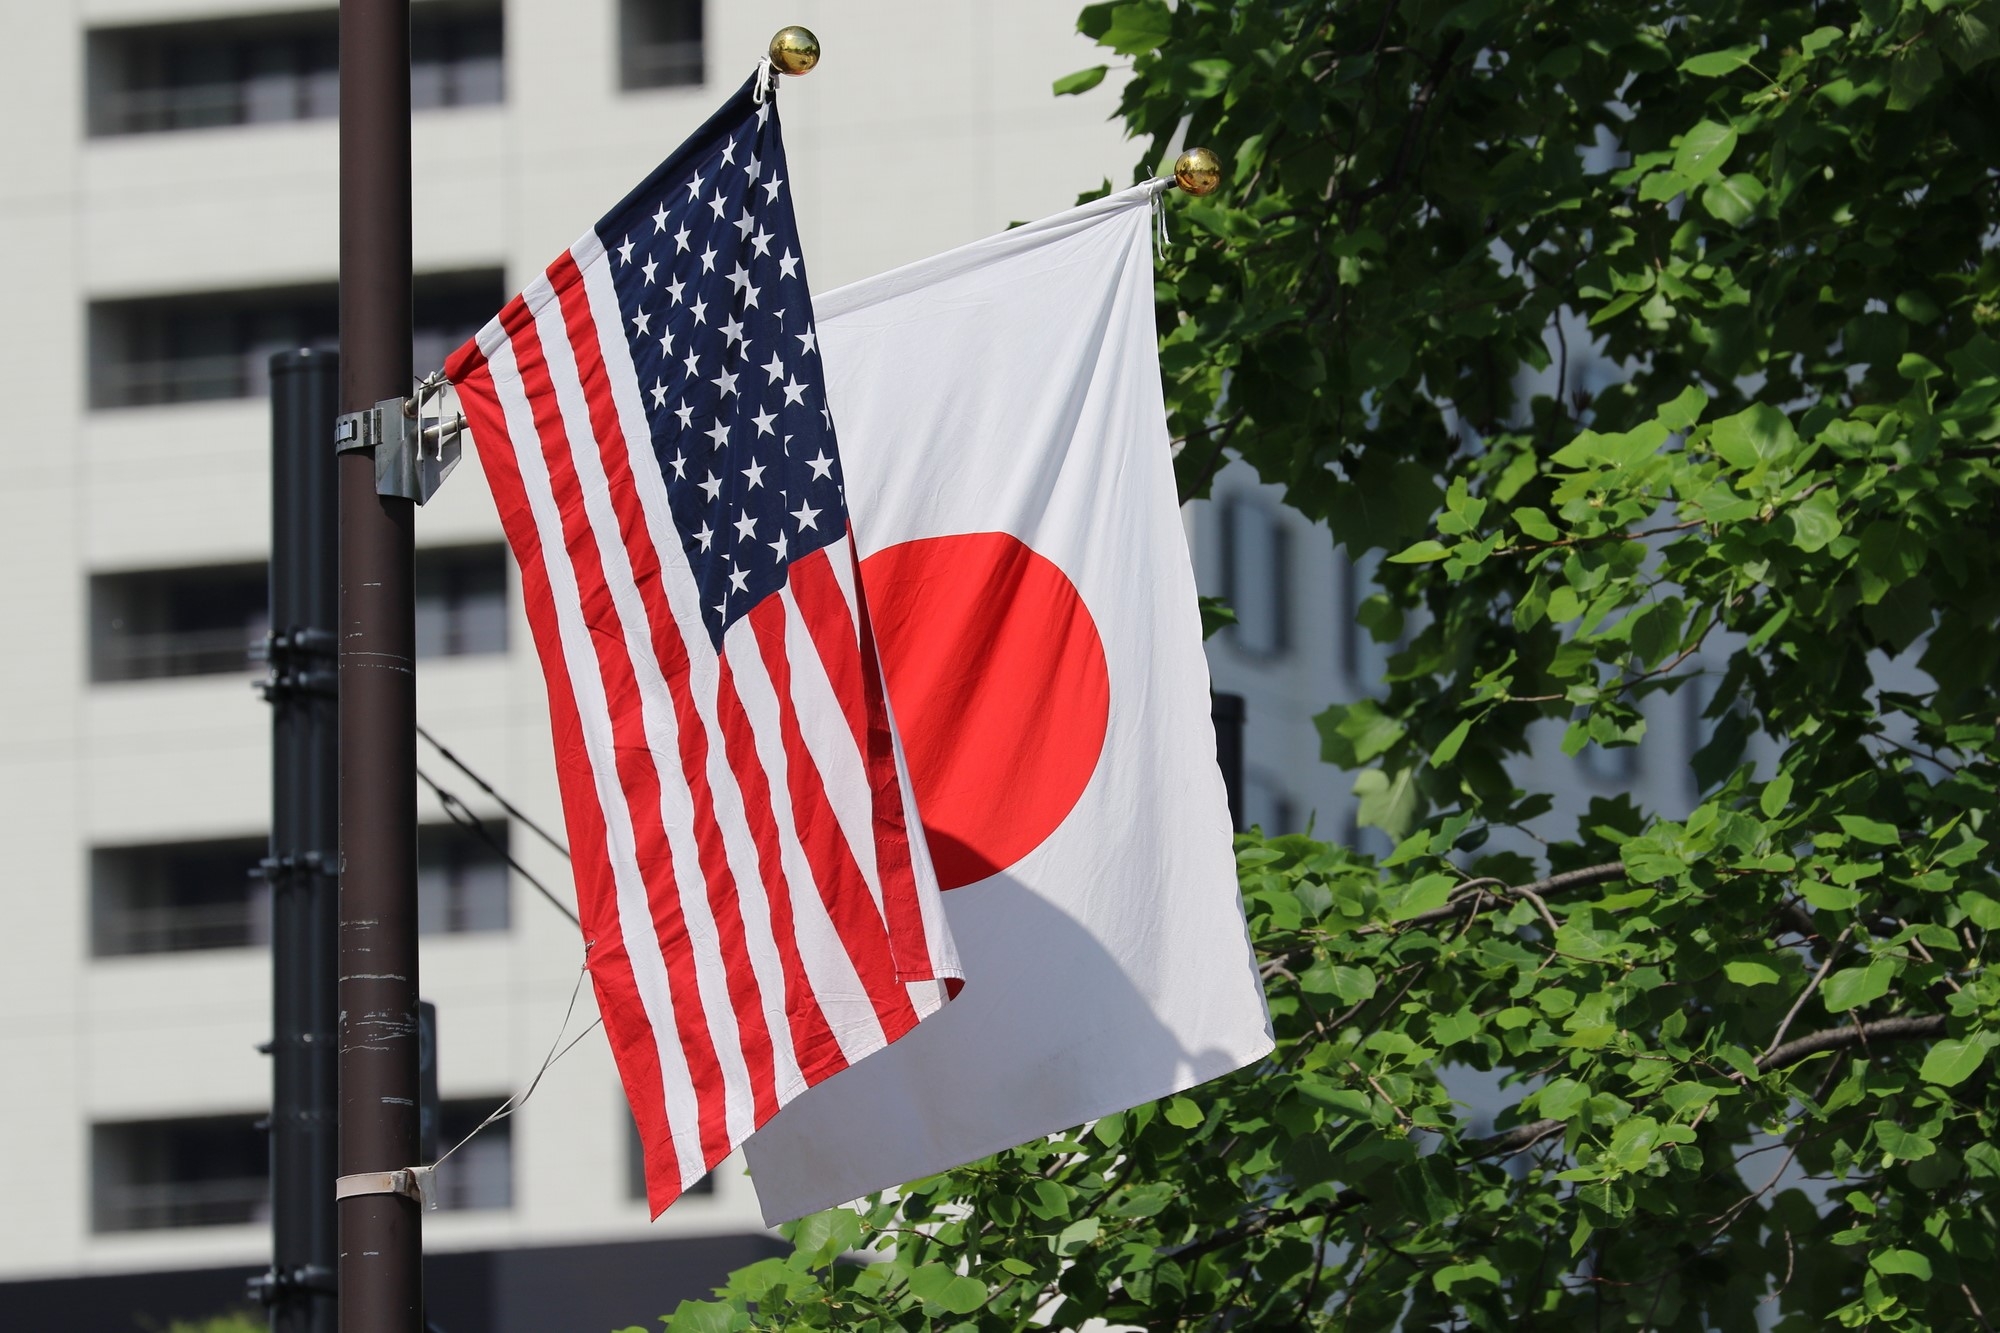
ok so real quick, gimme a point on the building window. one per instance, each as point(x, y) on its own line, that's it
point(659, 43)
point(277, 67)
point(461, 879)
point(171, 897)
point(481, 1173)
point(211, 620)
point(1256, 576)
point(152, 624)
point(149, 1175)
point(204, 346)
point(461, 600)
point(635, 1164)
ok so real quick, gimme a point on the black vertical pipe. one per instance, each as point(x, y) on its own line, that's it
point(381, 1234)
point(305, 810)
point(1226, 711)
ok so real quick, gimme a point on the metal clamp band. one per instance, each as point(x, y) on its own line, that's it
point(412, 1182)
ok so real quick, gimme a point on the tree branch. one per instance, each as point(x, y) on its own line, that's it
point(1832, 1039)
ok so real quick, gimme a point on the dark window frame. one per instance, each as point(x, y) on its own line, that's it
point(662, 44)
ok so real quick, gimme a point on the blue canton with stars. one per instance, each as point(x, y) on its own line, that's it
point(704, 255)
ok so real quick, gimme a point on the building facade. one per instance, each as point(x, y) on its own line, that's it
point(169, 197)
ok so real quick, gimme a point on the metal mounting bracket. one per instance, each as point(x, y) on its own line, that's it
point(415, 445)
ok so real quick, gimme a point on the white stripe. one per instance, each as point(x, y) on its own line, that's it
point(662, 733)
point(704, 675)
point(642, 946)
point(830, 741)
point(842, 998)
point(938, 941)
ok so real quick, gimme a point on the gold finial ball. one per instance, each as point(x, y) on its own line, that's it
point(794, 50)
point(1198, 171)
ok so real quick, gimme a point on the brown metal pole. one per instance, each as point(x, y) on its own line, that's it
point(381, 1235)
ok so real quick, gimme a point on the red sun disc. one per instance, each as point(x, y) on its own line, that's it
point(997, 676)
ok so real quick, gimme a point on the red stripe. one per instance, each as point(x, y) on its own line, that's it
point(834, 868)
point(670, 653)
point(813, 1042)
point(625, 1023)
point(857, 676)
point(631, 749)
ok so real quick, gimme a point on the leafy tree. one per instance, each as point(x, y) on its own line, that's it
point(1744, 1045)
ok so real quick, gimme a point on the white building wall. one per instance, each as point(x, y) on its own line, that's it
point(929, 123)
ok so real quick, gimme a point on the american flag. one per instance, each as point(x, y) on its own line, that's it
point(652, 420)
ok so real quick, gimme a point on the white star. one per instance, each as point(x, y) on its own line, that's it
point(745, 223)
point(788, 263)
point(640, 321)
point(648, 267)
point(780, 545)
point(686, 414)
point(764, 418)
point(674, 290)
point(659, 393)
point(660, 220)
point(755, 472)
point(806, 339)
point(726, 381)
point(822, 466)
point(694, 187)
point(625, 251)
point(738, 579)
point(706, 536)
point(714, 488)
point(716, 204)
point(722, 607)
point(681, 240)
point(771, 189)
point(749, 297)
point(701, 312)
point(679, 466)
point(826, 416)
point(720, 434)
point(729, 154)
point(774, 368)
point(666, 342)
point(795, 392)
point(692, 364)
point(739, 277)
point(762, 241)
point(755, 169)
point(732, 329)
point(762, 113)
point(708, 260)
point(746, 526)
point(807, 516)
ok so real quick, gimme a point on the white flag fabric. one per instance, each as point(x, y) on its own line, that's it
point(1008, 476)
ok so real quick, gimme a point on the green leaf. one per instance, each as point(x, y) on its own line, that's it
point(943, 1288)
point(1351, 984)
point(1137, 28)
point(1563, 1098)
point(1082, 81)
point(1388, 802)
point(1827, 897)
point(1715, 64)
point(1535, 524)
point(1815, 523)
point(1907, 1262)
point(1758, 434)
point(1734, 199)
point(1420, 553)
point(1745, 972)
point(1968, 38)
point(1900, 1143)
point(1447, 749)
point(1076, 1236)
point(1182, 1113)
point(1703, 151)
point(1776, 797)
point(1352, 735)
point(1853, 987)
point(1954, 1060)
point(1912, 74)
point(825, 1236)
point(706, 1317)
point(1870, 830)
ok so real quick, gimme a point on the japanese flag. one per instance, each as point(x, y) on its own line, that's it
point(1005, 444)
